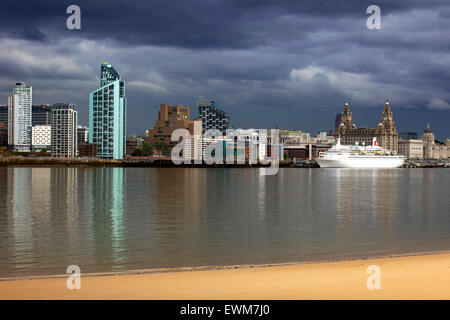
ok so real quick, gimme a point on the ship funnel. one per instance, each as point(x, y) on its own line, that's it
point(374, 142)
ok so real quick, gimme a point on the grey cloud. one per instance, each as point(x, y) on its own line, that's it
point(242, 53)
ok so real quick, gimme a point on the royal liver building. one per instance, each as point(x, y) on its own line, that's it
point(385, 132)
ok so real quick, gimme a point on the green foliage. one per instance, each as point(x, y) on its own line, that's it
point(162, 147)
point(145, 149)
point(137, 152)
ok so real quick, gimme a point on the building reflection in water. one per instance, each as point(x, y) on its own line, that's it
point(106, 209)
point(19, 216)
point(105, 219)
point(178, 198)
point(366, 203)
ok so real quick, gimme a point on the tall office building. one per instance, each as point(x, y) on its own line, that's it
point(64, 130)
point(19, 117)
point(10, 124)
point(107, 115)
point(212, 117)
point(41, 115)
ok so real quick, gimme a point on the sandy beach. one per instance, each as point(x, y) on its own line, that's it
point(406, 277)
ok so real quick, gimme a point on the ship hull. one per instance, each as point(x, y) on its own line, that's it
point(381, 162)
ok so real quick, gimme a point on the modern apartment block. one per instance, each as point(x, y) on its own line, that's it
point(212, 117)
point(82, 135)
point(19, 117)
point(64, 130)
point(41, 115)
point(107, 115)
point(41, 137)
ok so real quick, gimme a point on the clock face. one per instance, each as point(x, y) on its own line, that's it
point(385, 118)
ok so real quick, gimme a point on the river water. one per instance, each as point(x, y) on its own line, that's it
point(109, 219)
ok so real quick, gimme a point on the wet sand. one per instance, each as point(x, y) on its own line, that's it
point(406, 277)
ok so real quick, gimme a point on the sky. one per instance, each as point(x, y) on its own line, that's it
point(291, 63)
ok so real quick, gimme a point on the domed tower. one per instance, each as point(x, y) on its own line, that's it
point(387, 134)
point(346, 117)
point(428, 142)
point(346, 121)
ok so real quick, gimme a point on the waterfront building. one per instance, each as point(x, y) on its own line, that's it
point(337, 122)
point(41, 137)
point(433, 149)
point(64, 130)
point(171, 118)
point(212, 117)
point(324, 138)
point(274, 148)
point(133, 143)
point(297, 153)
point(296, 143)
point(19, 117)
point(107, 114)
point(253, 140)
point(82, 134)
point(385, 132)
point(10, 121)
point(41, 115)
point(408, 135)
point(293, 138)
point(4, 115)
point(411, 148)
point(87, 150)
point(3, 135)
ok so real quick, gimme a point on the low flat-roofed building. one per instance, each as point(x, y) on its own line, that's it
point(297, 153)
point(3, 135)
point(411, 148)
point(87, 150)
point(41, 137)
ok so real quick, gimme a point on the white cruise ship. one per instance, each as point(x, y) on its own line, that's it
point(356, 156)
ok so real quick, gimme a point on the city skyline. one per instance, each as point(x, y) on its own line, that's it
point(288, 63)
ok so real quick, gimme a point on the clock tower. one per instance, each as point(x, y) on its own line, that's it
point(387, 133)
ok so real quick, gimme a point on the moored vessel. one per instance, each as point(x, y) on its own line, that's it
point(356, 156)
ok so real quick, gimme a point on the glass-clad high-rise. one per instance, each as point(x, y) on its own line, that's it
point(107, 115)
point(19, 117)
point(212, 117)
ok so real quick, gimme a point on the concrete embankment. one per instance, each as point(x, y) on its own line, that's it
point(129, 162)
point(44, 162)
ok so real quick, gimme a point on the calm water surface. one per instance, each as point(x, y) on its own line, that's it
point(106, 219)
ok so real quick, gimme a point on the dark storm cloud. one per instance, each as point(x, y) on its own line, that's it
point(189, 24)
point(263, 61)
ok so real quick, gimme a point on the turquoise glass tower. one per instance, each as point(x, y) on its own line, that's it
point(107, 115)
